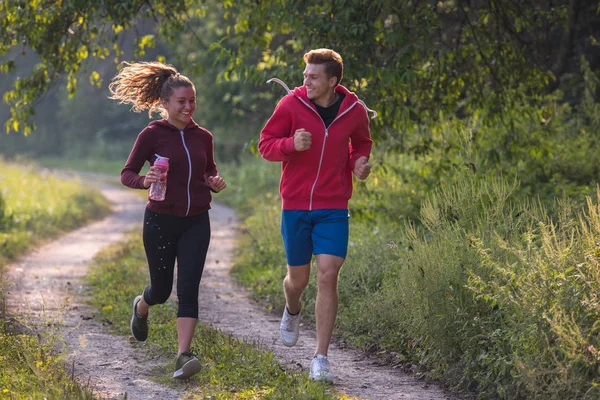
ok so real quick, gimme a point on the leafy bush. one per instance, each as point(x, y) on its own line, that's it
point(461, 258)
point(490, 291)
point(493, 294)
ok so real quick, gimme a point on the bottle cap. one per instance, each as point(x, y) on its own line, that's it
point(162, 162)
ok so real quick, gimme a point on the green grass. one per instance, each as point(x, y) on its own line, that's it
point(36, 206)
point(120, 273)
point(111, 167)
point(31, 369)
point(488, 291)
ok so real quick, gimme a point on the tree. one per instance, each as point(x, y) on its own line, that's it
point(65, 35)
point(412, 60)
point(409, 60)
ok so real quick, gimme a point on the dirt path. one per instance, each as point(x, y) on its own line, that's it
point(46, 285)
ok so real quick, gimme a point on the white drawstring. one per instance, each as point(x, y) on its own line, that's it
point(282, 83)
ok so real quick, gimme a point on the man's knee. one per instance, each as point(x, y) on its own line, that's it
point(297, 277)
point(328, 275)
point(297, 283)
point(328, 278)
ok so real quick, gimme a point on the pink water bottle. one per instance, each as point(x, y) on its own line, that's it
point(159, 189)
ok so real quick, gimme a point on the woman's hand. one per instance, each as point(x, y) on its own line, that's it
point(216, 183)
point(155, 174)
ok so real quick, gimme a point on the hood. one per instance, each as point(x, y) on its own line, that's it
point(300, 92)
point(163, 124)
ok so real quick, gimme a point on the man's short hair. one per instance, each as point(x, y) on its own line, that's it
point(334, 65)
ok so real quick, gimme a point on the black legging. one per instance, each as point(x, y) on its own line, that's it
point(166, 238)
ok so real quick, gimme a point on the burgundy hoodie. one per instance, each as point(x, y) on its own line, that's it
point(191, 162)
point(320, 177)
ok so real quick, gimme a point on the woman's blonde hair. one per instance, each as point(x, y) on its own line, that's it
point(145, 84)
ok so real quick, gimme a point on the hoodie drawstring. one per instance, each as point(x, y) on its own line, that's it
point(287, 89)
point(282, 83)
point(368, 109)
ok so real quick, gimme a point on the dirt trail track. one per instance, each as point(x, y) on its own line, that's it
point(46, 285)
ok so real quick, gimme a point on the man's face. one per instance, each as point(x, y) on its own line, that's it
point(319, 88)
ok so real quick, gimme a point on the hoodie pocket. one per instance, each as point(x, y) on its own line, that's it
point(296, 181)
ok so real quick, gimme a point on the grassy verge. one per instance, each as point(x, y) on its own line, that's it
point(30, 368)
point(490, 292)
point(112, 167)
point(35, 207)
point(223, 375)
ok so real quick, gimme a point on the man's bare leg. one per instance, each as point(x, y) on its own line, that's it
point(293, 285)
point(327, 299)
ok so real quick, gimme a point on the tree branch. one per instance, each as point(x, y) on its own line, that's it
point(566, 45)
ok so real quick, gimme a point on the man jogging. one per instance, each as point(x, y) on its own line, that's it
point(320, 134)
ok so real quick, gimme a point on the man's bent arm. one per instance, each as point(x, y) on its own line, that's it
point(360, 141)
point(276, 142)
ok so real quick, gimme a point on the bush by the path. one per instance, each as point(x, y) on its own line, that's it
point(493, 286)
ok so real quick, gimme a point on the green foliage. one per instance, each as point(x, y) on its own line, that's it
point(64, 36)
point(85, 124)
point(490, 293)
point(452, 266)
point(412, 60)
point(30, 368)
point(501, 293)
point(250, 187)
point(229, 105)
point(108, 168)
point(250, 184)
point(2, 211)
point(484, 287)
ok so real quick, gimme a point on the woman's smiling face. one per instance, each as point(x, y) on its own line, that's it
point(181, 106)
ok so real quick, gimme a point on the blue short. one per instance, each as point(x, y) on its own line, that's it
point(314, 232)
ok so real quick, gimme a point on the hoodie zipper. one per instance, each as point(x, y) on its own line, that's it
point(314, 185)
point(189, 173)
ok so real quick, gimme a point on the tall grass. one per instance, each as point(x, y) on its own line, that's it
point(490, 290)
point(499, 295)
point(35, 206)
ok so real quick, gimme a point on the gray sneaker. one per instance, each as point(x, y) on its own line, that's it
point(319, 369)
point(138, 324)
point(186, 365)
point(289, 328)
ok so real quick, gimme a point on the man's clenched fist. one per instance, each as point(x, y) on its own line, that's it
point(362, 169)
point(302, 139)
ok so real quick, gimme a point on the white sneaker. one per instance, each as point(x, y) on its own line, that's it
point(319, 369)
point(289, 328)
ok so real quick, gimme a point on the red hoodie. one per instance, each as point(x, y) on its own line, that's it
point(320, 177)
point(191, 162)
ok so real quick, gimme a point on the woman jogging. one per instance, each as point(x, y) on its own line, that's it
point(178, 227)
